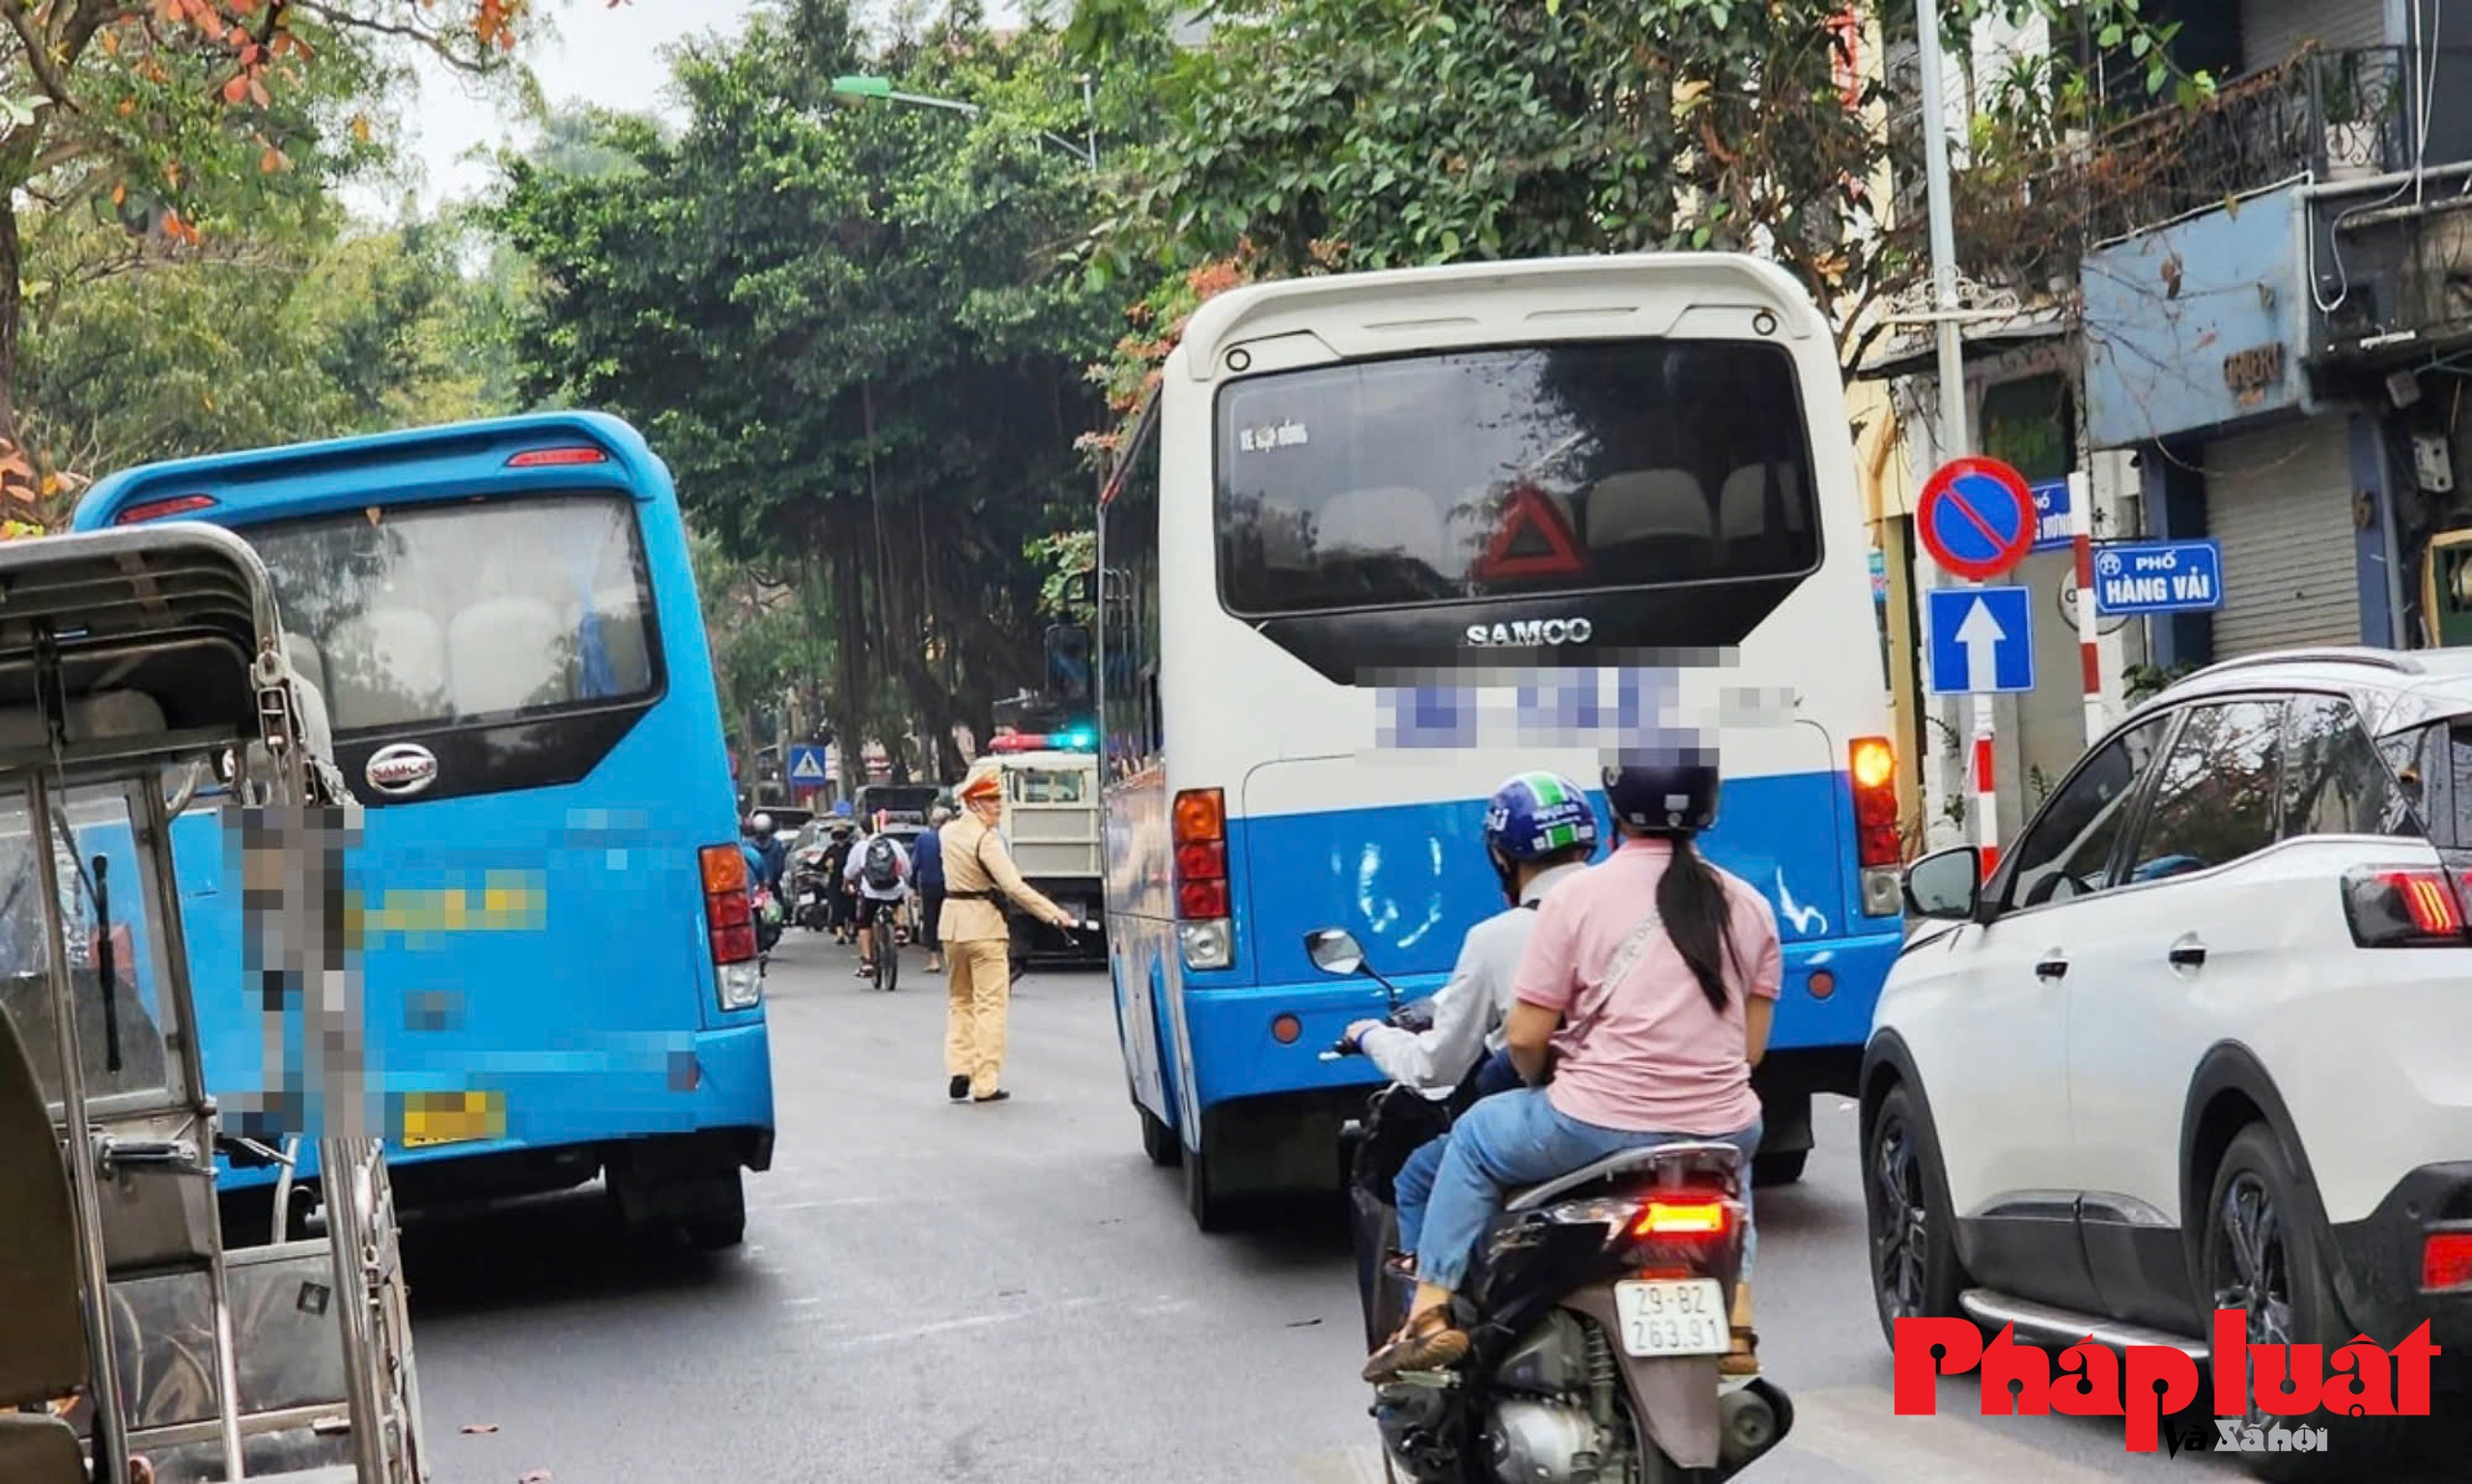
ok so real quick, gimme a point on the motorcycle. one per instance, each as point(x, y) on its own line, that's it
point(769, 922)
point(808, 890)
point(1597, 1310)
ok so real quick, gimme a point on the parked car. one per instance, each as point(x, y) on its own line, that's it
point(2203, 1039)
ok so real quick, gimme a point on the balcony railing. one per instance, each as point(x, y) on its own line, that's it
point(2326, 114)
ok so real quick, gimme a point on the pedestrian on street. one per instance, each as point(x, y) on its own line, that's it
point(927, 870)
point(979, 875)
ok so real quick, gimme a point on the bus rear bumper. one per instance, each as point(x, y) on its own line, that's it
point(714, 1100)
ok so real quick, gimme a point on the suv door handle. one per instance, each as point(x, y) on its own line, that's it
point(2054, 967)
point(2188, 956)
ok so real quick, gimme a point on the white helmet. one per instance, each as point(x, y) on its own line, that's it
point(764, 823)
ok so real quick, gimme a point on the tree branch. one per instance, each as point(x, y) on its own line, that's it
point(436, 41)
point(38, 53)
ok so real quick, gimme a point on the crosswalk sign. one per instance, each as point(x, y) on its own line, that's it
point(806, 764)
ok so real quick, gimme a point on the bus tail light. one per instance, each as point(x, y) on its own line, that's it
point(156, 510)
point(557, 458)
point(730, 913)
point(1879, 846)
point(1203, 910)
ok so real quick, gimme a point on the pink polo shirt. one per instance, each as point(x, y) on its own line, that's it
point(1656, 1058)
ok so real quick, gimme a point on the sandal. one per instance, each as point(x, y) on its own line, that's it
point(1400, 1265)
point(1744, 1359)
point(1427, 1342)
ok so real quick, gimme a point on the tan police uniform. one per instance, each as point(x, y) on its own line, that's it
point(978, 868)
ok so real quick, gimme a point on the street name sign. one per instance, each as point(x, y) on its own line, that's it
point(2147, 578)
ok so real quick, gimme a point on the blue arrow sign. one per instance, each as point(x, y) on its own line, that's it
point(2157, 577)
point(1981, 640)
point(2052, 530)
point(806, 765)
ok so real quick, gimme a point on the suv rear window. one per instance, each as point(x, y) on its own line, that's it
point(1524, 472)
point(2434, 767)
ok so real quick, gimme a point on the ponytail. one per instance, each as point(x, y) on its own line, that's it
point(1698, 917)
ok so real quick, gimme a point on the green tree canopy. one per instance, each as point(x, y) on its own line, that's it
point(855, 331)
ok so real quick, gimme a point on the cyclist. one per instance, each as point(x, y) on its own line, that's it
point(879, 870)
point(1643, 1003)
point(1539, 832)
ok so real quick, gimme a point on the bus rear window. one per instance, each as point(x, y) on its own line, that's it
point(430, 615)
point(1501, 473)
point(1044, 786)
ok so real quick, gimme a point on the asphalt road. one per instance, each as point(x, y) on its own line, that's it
point(1010, 1294)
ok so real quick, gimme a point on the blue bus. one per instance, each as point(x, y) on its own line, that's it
point(560, 970)
point(1462, 522)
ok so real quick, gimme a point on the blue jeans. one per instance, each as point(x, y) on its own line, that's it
point(1414, 1187)
point(1520, 1138)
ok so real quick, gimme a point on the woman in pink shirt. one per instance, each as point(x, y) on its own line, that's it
point(1645, 997)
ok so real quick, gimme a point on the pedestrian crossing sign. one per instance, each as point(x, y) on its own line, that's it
point(806, 764)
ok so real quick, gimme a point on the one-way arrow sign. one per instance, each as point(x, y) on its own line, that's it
point(1981, 640)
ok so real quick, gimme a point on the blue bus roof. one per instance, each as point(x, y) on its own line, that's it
point(418, 463)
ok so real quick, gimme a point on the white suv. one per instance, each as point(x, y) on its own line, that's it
point(2203, 1039)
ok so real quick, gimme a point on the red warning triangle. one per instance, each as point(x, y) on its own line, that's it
point(1532, 541)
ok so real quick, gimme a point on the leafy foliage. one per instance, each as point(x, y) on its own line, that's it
point(267, 341)
point(851, 330)
point(1305, 138)
point(137, 133)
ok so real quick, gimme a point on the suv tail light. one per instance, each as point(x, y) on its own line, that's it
point(1201, 879)
point(1879, 846)
point(2405, 906)
point(730, 913)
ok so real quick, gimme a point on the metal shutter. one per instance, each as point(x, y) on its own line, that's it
point(2281, 504)
point(2271, 30)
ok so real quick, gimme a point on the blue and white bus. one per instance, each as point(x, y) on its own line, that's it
point(560, 971)
point(1437, 527)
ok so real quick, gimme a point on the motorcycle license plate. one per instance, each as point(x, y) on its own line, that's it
point(806, 899)
point(1666, 1317)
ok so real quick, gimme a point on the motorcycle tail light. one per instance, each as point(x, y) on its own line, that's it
point(1683, 1216)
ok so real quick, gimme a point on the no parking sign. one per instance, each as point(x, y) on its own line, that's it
point(1976, 518)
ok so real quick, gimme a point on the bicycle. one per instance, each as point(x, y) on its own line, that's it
point(884, 939)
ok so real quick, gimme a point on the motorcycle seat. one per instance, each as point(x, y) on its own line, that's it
point(1714, 1162)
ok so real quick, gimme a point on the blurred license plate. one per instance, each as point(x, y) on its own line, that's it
point(453, 1118)
point(1673, 1317)
point(806, 899)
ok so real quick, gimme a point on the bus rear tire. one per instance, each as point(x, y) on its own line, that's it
point(719, 1219)
point(1209, 1209)
point(1159, 1142)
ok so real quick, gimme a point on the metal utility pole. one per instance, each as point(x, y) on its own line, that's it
point(1954, 441)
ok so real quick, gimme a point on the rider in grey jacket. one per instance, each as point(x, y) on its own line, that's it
point(1540, 830)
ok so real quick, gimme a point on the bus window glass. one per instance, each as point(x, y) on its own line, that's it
point(1464, 476)
point(1129, 613)
point(439, 614)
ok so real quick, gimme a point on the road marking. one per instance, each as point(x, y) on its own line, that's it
point(824, 1205)
point(1003, 1317)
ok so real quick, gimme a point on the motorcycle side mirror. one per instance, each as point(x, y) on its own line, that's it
point(1334, 951)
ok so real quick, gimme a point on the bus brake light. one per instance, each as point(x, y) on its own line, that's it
point(1203, 905)
point(156, 510)
point(1878, 842)
point(553, 458)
